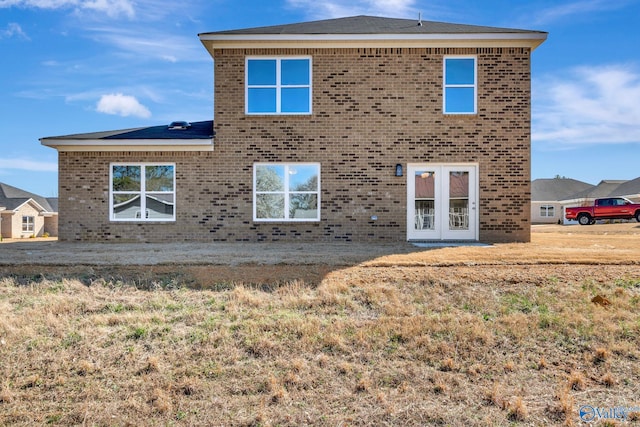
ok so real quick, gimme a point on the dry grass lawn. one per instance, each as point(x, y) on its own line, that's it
point(474, 336)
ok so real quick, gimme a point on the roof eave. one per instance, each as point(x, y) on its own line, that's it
point(62, 145)
point(234, 41)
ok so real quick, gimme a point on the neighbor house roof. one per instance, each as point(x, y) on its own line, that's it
point(556, 189)
point(356, 30)
point(183, 136)
point(12, 198)
point(628, 188)
point(606, 188)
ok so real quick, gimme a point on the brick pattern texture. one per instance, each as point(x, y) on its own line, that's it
point(372, 109)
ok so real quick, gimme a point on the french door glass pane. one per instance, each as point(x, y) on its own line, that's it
point(458, 200)
point(425, 214)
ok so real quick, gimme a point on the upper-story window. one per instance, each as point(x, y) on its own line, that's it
point(278, 85)
point(142, 192)
point(460, 85)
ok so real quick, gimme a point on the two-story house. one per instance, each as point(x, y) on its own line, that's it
point(361, 129)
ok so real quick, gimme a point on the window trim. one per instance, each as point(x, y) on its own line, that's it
point(29, 223)
point(446, 86)
point(545, 209)
point(278, 86)
point(143, 193)
point(287, 191)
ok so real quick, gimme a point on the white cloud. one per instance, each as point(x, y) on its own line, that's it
point(112, 8)
point(145, 43)
point(580, 7)
point(590, 105)
point(29, 165)
point(341, 8)
point(122, 105)
point(13, 30)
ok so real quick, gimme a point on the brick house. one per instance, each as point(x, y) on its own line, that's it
point(354, 129)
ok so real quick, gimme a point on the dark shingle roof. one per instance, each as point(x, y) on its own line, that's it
point(605, 188)
point(371, 25)
point(13, 197)
point(628, 188)
point(53, 202)
point(197, 130)
point(554, 189)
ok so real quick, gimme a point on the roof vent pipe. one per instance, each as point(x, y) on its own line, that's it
point(420, 19)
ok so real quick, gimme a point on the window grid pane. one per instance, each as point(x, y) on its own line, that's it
point(262, 100)
point(460, 71)
point(295, 72)
point(150, 198)
point(278, 86)
point(460, 86)
point(27, 223)
point(262, 72)
point(286, 192)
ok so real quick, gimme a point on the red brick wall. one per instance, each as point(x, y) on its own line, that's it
point(372, 108)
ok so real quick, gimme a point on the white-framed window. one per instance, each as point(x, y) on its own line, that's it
point(135, 188)
point(547, 211)
point(278, 85)
point(27, 224)
point(286, 192)
point(460, 85)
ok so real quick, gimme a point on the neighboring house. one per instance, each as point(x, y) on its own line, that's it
point(24, 214)
point(629, 189)
point(547, 196)
point(355, 129)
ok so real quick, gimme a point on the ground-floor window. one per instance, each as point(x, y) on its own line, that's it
point(547, 211)
point(286, 192)
point(27, 224)
point(142, 192)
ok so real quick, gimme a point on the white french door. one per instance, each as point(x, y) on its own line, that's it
point(442, 202)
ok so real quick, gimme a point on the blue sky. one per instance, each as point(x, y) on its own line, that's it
point(74, 66)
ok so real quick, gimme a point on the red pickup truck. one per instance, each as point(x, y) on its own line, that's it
point(610, 208)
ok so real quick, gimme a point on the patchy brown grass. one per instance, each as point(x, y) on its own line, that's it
point(375, 344)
